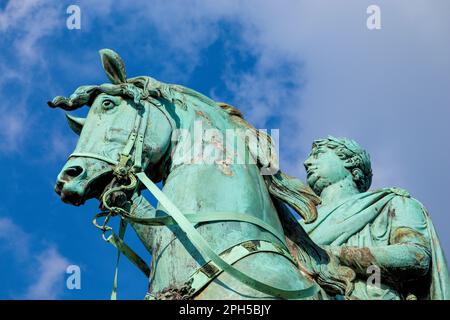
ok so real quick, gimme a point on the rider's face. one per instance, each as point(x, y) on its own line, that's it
point(324, 168)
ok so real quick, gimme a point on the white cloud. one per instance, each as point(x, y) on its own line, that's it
point(30, 21)
point(24, 24)
point(186, 27)
point(13, 238)
point(12, 130)
point(47, 266)
point(51, 267)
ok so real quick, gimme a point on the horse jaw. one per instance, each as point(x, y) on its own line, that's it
point(77, 187)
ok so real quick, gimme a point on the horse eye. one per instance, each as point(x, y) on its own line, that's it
point(107, 104)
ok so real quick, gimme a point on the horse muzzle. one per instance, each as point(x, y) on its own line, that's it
point(82, 179)
point(71, 184)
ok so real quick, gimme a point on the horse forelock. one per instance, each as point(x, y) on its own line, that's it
point(140, 89)
point(85, 95)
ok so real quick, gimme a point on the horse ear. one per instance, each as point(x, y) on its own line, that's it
point(76, 124)
point(113, 66)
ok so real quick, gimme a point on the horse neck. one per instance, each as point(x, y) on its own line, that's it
point(222, 184)
point(210, 188)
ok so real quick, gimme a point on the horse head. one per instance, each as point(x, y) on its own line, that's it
point(119, 115)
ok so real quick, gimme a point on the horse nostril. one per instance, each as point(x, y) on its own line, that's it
point(72, 172)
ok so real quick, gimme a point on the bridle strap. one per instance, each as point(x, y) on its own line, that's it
point(208, 253)
point(136, 140)
point(94, 156)
point(209, 271)
point(132, 138)
point(139, 147)
point(196, 218)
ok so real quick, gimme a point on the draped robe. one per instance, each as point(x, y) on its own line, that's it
point(391, 230)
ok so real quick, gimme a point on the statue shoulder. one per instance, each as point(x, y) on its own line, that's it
point(406, 210)
point(398, 191)
point(403, 198)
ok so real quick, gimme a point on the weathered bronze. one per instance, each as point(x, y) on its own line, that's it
point(384, 231)
point(222, 228)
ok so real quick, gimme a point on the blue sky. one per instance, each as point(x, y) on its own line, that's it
point(309, 68)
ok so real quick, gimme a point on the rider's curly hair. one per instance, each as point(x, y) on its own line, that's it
point(354, 157)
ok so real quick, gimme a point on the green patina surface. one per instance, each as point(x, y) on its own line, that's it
point(386, 227)
point(222, 213)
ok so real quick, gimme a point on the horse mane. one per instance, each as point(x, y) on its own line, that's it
point(281, 186)
point(315, 261)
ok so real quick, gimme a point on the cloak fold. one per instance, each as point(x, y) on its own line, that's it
point(351, 223)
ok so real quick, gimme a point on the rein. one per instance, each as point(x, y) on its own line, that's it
point(130, 176)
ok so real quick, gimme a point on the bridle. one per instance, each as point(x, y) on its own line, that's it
point(128, 173)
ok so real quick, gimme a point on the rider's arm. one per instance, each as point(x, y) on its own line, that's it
point(407, 255)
